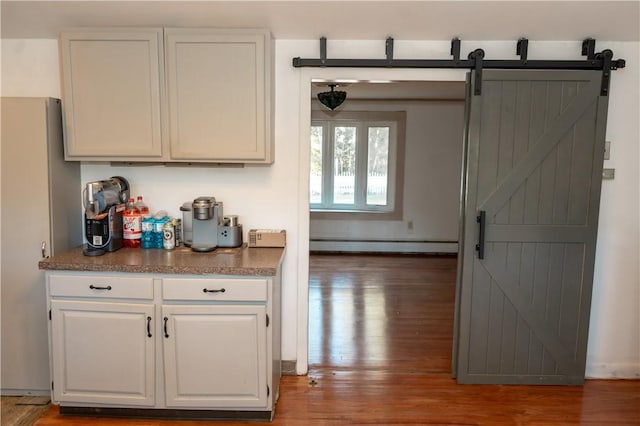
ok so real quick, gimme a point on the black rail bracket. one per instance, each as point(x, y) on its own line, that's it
point(522, 49)
point(455, 49)
point(388, 50)
point(589, 48)
point(323, 49)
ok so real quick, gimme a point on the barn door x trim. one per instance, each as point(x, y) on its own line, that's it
point(475, 61)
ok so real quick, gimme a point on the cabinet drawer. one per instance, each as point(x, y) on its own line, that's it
point(214, 289)
point(101, 286)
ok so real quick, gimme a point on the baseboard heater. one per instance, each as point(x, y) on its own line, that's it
point(382, 246)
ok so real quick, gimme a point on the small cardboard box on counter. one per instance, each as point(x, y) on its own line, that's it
point(267, 237)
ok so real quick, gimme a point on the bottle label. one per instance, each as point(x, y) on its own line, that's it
point(131, 227)
point(168, 239)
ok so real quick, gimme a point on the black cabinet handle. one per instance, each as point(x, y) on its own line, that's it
point(95, 287)
point(482, 220)
point(149, 327)
point(166, 333)
point(222, 290)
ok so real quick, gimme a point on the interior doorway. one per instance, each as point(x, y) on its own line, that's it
point(359, 315)
point(306, 79)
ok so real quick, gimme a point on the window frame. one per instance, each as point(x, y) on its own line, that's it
point(362, 120)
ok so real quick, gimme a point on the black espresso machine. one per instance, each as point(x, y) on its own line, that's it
point(104, 202)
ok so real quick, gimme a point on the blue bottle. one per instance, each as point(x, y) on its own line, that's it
point(158, 223)
point(147, 233)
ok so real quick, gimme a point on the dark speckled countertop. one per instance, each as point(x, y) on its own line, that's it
point(260, 261)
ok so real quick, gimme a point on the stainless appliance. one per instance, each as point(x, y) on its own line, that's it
point(230, 232)
point(187, 227)
point(206, 215)
point(104, 202)
point(205, 228)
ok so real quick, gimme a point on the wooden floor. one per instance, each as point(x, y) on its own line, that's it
point(380, 352)
point(22, 410)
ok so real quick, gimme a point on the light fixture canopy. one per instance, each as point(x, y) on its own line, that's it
point(332, 99)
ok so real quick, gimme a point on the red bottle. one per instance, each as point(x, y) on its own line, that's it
point(131, 225)
point(142, 207)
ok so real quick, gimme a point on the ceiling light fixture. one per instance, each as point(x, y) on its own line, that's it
point(332, 99)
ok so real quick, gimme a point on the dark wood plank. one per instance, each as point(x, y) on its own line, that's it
point(381, 335)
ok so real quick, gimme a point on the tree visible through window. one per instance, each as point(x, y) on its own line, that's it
point(315, 193)
point(378, 166)
point(344, 168)
point(353, 163)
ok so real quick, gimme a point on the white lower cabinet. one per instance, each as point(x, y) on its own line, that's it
point(126, 340)
point(103, 352)
point(215, 356)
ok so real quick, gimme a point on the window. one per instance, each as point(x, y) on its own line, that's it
point(355, 165)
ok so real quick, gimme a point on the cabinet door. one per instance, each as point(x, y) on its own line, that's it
point(215, 356)
point(103, 352)
point(112, 90)
point(219, 95)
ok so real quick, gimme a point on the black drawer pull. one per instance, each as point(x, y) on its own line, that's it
point(149, 327)
point(222, 290)
point(95, 287)
point(166, 333)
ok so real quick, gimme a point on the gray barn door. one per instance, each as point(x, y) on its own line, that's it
point(535, 145)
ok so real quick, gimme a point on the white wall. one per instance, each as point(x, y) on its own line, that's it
point(30, 68)
point(431, 195)
point(614, 335)
point(276, 196)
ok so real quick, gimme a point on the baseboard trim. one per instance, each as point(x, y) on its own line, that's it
point(619, 370)
point(371, 246)
point(288, 368)
point(25, 392)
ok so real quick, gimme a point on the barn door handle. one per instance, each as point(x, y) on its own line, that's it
point(481, 219)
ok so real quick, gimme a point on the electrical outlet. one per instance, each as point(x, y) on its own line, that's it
point(608, 173)
point(410, 225)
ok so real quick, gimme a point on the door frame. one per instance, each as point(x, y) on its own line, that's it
point(307, 76)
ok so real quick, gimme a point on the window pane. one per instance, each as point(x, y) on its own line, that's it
point(344, 165)
point(378, 166)
point(315, 177)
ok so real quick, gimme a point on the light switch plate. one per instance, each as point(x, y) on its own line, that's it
point(607, 150)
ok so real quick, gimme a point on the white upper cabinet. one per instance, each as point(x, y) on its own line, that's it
point(219, 94)
point(213, 106)
point(112, 90)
